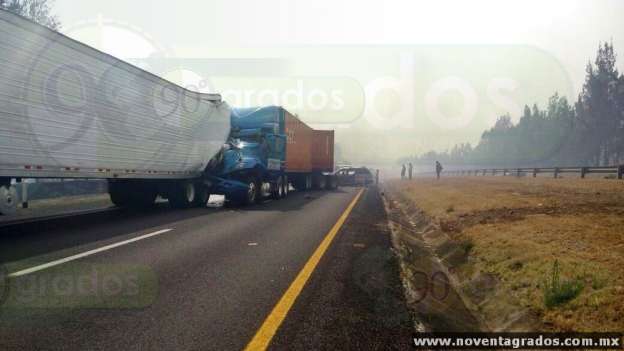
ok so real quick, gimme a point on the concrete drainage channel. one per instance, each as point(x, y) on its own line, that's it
point(440, 297)
point(430, 289)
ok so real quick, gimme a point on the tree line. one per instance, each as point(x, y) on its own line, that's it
point(588, 132)
point(35, 10)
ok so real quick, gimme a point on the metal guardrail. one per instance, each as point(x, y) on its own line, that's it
point(556, 171)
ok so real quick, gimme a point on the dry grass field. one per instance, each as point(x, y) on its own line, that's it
point(516, 228)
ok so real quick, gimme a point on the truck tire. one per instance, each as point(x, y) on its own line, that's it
point(202, 196)
point(308, 182)
point(118, 193)
point(253, 192)
point(278, 189)
point(299, 183)
point(133, 194)
point(303, 182)
point(8, 200)
point(142, 195)
point(332, 182)
point(319, 182)
point(182, 194)
point(286, 187)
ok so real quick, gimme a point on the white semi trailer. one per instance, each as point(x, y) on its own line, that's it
point(68, 110)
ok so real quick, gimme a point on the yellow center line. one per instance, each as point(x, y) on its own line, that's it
point(268, 329)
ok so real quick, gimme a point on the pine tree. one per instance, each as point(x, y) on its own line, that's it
point(35, 10)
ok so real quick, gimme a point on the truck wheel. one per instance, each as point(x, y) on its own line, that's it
point(308, 182)
point(142, 195)
point(299, 183)
point(118, 193)
point(203, 193)
point(331, 183)
point(8, 200)
point(132, 194)
point(253, 192)
point(182, 195)
point(319, 182)
point(286, 187)
point(278, 190)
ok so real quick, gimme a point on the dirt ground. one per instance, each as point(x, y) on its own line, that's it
point(513, 229)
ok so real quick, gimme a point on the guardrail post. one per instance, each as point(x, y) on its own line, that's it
point(504, 172)
point(583, 172)
point(518, 173)
point(535, 172)
point(493, 172)
point(556, 175)
point(620, 171)
point(24, 194)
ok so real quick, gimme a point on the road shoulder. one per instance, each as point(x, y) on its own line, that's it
point(354, 299)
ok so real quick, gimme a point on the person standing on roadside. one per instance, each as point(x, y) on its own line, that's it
point(410, 170)
point(403, 171)
point(438, 169)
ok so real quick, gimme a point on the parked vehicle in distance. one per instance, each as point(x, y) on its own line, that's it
point(354, 176)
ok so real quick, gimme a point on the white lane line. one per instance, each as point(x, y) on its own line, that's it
point(85, 254)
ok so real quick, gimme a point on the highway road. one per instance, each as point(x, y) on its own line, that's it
point(207, 279)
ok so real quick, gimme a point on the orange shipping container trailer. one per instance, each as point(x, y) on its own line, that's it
point(298, 145)
point(322, 150)
point(309, 155)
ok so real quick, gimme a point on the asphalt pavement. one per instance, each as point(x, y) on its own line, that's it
point(202, 279)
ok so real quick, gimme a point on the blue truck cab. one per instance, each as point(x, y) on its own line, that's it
point(250, 166)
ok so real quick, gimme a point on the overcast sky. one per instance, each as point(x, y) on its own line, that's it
point(562, 34)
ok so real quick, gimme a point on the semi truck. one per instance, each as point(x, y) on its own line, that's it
point(269, 150)
point(68, 110)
